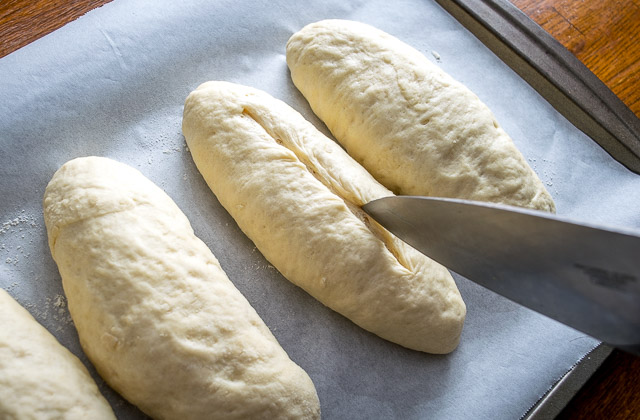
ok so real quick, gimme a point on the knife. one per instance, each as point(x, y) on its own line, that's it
point(583, 275)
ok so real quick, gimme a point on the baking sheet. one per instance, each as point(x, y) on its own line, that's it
point(113, 84)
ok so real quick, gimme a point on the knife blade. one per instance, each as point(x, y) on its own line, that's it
point(584, 275)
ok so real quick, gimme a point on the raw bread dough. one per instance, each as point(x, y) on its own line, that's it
point(416, 129)
point(297, 195)
point(39, 378)
point(155, 312)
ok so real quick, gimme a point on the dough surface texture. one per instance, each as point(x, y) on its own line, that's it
point(40, 378)
point(416, 129)
point(297, 195)
point(155, 312)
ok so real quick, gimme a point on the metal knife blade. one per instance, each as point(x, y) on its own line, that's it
point(585, 276)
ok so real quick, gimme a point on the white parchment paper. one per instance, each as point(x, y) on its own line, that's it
point(113, 84)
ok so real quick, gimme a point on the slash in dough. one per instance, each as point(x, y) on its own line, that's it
point(415, 128)
point(297, 196)
point(39, 378)
point(155, 312)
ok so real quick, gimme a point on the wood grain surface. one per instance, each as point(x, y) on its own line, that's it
point(24, 21)
point(603, 34)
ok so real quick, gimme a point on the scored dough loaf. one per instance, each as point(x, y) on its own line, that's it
point(415, 128)
point(297, 195)
point(155, 312)
point(39, 378)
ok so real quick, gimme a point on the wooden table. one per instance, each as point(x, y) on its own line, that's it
point(604, 34)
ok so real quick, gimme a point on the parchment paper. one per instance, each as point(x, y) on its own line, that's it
point(113, 84)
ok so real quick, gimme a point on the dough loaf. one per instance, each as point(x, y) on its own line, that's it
point(297, 195)
point(154, 310)
point(415, 128)
point(39, 378)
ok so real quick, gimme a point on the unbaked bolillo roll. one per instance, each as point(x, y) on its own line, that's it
point(155, 312)
point(39, 378)
point(415, 128)
point(297, 196)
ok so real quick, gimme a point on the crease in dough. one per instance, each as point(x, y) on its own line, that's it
point(297, 195)
point(40, 378)
point(353, 199)
point(154, 310)
point(415, 128)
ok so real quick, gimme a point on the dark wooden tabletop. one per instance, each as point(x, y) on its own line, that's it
point(603, 34)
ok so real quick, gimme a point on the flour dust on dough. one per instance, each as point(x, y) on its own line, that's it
point(414, 127)
point(297, 195)
point(155, 312)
